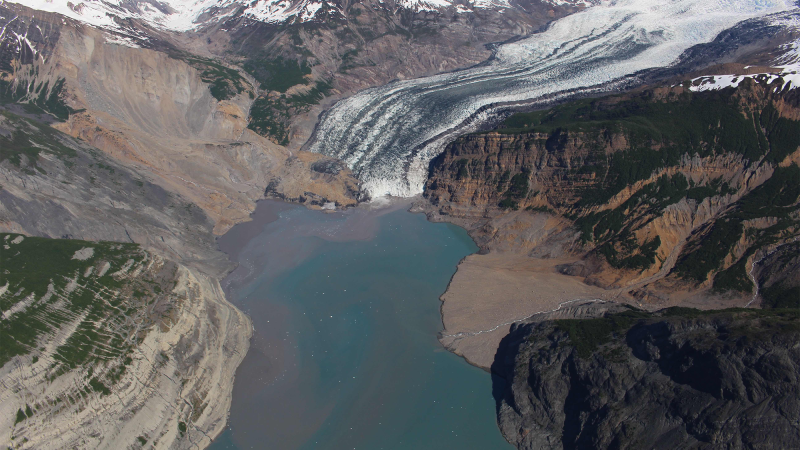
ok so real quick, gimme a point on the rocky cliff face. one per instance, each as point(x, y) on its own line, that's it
point(178, 118)
point(56, 186)
point(140, 348)
point(102, 347)
point(303, 67)
point(677, 378)
point(156, 366)
point(667, 190)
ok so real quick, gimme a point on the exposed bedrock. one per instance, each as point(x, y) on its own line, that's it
point(673, 379)
point(580, 202)
point(156, 111)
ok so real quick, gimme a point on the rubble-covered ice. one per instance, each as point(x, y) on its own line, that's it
point(387, 135)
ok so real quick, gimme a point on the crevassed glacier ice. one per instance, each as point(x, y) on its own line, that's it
point(387, 135)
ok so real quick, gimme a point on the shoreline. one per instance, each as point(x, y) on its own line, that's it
point(237, 238)
point(269, 371)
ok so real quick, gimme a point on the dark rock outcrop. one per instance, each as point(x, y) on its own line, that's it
point(674, 379)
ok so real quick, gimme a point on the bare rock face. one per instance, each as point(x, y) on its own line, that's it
point(112, 353)
point(180, 119)
point(301, 68)
point(656, 214)
point(633, 380)
point(778, 275)
point(67, 189)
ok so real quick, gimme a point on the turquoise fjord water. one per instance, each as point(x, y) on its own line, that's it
point(345, 309)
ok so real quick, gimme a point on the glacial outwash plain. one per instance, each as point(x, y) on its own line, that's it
point(595, 203)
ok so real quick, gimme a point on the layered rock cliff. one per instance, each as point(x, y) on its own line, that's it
point(665, 190)
point(661, 197)
point(676, 378)
point(105, 345)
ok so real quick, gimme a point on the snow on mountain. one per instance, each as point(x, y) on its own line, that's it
point(789, 75)
point(176, 15)
point(185, 15)
point(272, 11)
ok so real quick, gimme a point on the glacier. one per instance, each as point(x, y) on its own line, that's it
point(388, 135)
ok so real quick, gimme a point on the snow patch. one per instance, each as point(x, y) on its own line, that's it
point(791, 80)
point(19, 306)
point(186, 15)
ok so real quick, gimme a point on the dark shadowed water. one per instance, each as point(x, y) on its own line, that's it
point(344, 355)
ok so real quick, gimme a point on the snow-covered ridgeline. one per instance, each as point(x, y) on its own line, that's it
point(185, 15)
point(789, 75)
point(387, 135)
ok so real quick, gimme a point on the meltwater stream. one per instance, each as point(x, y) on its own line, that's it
point(345, 355)
point(387, 135)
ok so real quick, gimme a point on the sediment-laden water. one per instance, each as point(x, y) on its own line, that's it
point(345, 353)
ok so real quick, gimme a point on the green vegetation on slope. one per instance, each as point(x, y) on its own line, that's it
point(36, 94)
point(271, 116)
point(25, 140)
point(659, 133)
point(776, 199)
point(85, 291)
point(588, 335)
point(612, 230)
point(225, 83)
point(278, 74)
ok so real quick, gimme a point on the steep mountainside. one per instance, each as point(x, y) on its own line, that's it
point(360, 44)
point(100, 347)
point(57, 186)
point(106, 350)
point(668, 191)
point(180, 119)
point(298, 53)
point(142, 123)
point(94, 333)
point(675, 379)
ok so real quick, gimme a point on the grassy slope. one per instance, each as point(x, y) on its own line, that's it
point(100, 301)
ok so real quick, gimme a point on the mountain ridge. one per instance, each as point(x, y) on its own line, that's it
point(182, 16)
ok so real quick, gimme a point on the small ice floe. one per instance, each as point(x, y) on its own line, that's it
point(18, 239)
point(329, 206)
point(83, 254)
